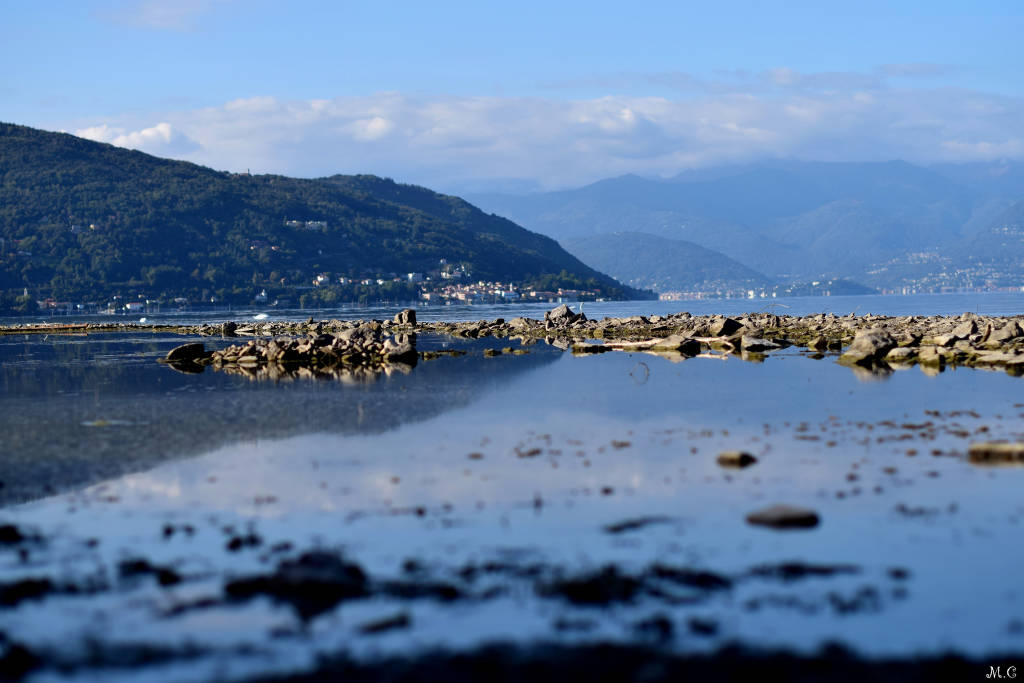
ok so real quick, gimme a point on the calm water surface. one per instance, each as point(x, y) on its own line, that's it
point(546, 461)
point(993, 303)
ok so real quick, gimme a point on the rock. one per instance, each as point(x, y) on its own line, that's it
point(1006, 333)
point(757, 345)
point(186, 353)
point(561, 316)
point(909, 339)
point(602, 587)
point(228, 328)
point(965, 329)
point(868, 346)
point(406, 317)
point(322, 340)
point(10, 535)
point(996, 453)
point(735, 459)
point(900, 354)
point(818, 344)
point(1000, 358)
point(520, 323)
point(725, 327)
point(312, 583)
point(784, 517)
point(274, 350)
point(931, 355)
point(944, 339)
point(680, 343)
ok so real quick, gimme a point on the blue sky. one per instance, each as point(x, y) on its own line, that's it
point(476, 94)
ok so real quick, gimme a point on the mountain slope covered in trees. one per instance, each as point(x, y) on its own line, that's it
point(81, 219)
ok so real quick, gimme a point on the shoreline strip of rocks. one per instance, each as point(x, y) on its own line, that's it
point(867, 340)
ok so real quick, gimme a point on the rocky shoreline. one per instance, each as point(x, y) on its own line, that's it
point(874, 342)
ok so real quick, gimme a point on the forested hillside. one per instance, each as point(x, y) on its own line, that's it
point(80, 220)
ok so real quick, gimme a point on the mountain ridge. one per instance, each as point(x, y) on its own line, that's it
point(81, 218)
point(799, 220)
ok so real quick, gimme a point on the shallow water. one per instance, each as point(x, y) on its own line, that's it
point(545, 465)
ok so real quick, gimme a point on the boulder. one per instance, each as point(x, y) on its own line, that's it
point(818, 344)
point(186, 353)
point(406, 317)
point(725, 327)
point(1007, 332)
point(931, 355)
point(900, 354)
point(562, 316)
point(228, 328)
point(520, 323)
point(757, 344)
point(965, 329)
point(868, 346)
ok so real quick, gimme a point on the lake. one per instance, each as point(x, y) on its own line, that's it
point(990, 303)
point(533, 498)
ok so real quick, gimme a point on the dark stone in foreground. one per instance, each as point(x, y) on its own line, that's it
point(602, 587)
point(10, 535)
point(312, 584)
point(784, 517)
point(735, 459)
point(15, 592)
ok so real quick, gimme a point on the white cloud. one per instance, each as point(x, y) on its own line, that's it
point(370, 129)
point(444, 141)
point(159, 139)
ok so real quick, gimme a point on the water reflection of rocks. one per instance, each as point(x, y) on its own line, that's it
point(357, 354)
point(75, 418)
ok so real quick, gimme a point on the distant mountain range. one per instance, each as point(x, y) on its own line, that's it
point(888, 225)
point(85, 220)
point(651, 262)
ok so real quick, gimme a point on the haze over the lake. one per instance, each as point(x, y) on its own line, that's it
point(462, 97)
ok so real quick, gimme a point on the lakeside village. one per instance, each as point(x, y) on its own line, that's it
point(448, 289)
point(449, 285)
point(438, 294)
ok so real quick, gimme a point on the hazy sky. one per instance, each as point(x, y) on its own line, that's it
point(461, 95)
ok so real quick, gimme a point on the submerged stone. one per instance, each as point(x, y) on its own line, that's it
point(784, 517)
